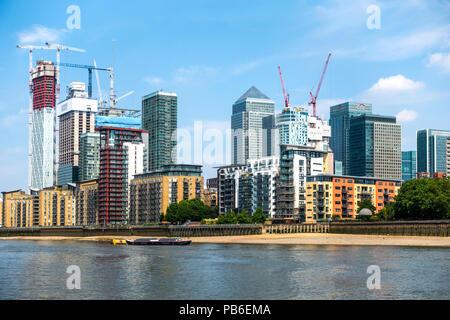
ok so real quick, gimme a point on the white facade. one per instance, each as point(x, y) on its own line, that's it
point(319, 134)
point(134, 164)
point(264, 169)
point(292, 126)
point(42, 149)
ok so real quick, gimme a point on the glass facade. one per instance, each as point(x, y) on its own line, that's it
point(409, 168)
point(292, 125)
point(340, 116)
point(432, 150)
point(159, 118)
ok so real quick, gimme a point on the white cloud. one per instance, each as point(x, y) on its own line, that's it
point(395, 83)
point(440, 60)
point(407, 115)
point(41, 34)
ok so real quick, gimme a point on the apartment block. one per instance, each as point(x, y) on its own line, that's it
point(86, 194)
point(152, 192)
point(159, 118)
point(328, 195)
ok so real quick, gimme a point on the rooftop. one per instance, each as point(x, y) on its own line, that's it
point(253, 93)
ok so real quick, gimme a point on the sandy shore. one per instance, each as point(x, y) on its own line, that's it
point(289, 239)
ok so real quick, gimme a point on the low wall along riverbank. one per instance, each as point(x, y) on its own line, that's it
point(400, 228)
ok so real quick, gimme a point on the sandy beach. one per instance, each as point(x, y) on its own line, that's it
point(288, 239)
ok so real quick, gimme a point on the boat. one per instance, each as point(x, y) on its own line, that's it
point(159, 242)
point(118, 242)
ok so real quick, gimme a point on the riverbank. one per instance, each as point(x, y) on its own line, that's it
point(287, 239)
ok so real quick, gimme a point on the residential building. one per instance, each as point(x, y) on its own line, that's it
point(319, 134)
point(209, 197)
point(75, 117)
point(86, 194)
point(212, 183)
point(432, 150)
point(152, 192)
point(159, 118)
point(340, 116)
point(409, 167)
point(375, 147)
point(43, 122)
point(292, 126)
point(115, 163)
point(89, 159)
point(47, 207)
point(249, 132)
point(228, 182)
point(263, 178)
point(296, 163)
point(329, 195)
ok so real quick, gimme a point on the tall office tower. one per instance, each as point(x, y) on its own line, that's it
point(76, 115)
point(159, 118)
point(117, 160)
point(248, 127)
point(432, 150)
point(43, 86)
point(296, 163)
point(409, 167)
point(375, 145)
point(89, 156)
point(292, 126)
point(340, 116)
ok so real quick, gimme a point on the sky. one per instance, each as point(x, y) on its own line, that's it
point(393, 54)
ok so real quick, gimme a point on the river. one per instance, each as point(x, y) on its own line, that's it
point(37, 270)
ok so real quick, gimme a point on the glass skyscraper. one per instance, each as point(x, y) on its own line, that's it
point(432, 150)
point(249, 134)
point(409, 167)
point(340, 116)
point(159, 118)
point(292, 125)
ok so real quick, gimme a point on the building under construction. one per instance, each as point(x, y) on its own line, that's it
point(43, 117)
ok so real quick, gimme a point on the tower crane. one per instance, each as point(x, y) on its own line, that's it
point(58, 48)
point(314, 98)
point(286, 96)
point(89, 68)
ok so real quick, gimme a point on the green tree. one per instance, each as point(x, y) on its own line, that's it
point(228, 218)
point(243, 217)
point(366, 204)
point(423, 199)
point(387, 213)
point(258, 216)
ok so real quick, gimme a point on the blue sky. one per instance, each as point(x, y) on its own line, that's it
point(211, 52)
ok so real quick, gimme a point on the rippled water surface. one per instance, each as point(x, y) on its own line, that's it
point(37, 270)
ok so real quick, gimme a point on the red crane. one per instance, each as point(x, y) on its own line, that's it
point(314, 98)
point(286, 96)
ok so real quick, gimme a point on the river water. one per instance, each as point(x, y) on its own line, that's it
point(37, 270)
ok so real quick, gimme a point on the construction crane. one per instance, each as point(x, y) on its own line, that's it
point(89, 68)
point(286, 96)
point(314, 98)
point(58, 48)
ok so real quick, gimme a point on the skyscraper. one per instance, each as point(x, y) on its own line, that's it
point(375, 147)
point(159, 118)
point(432, 150)
point(340, 116)
point(249, 131)
point(76, 115)
point(292, 126)
point(409, 167)
point(43, 117)
point(118, 164)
